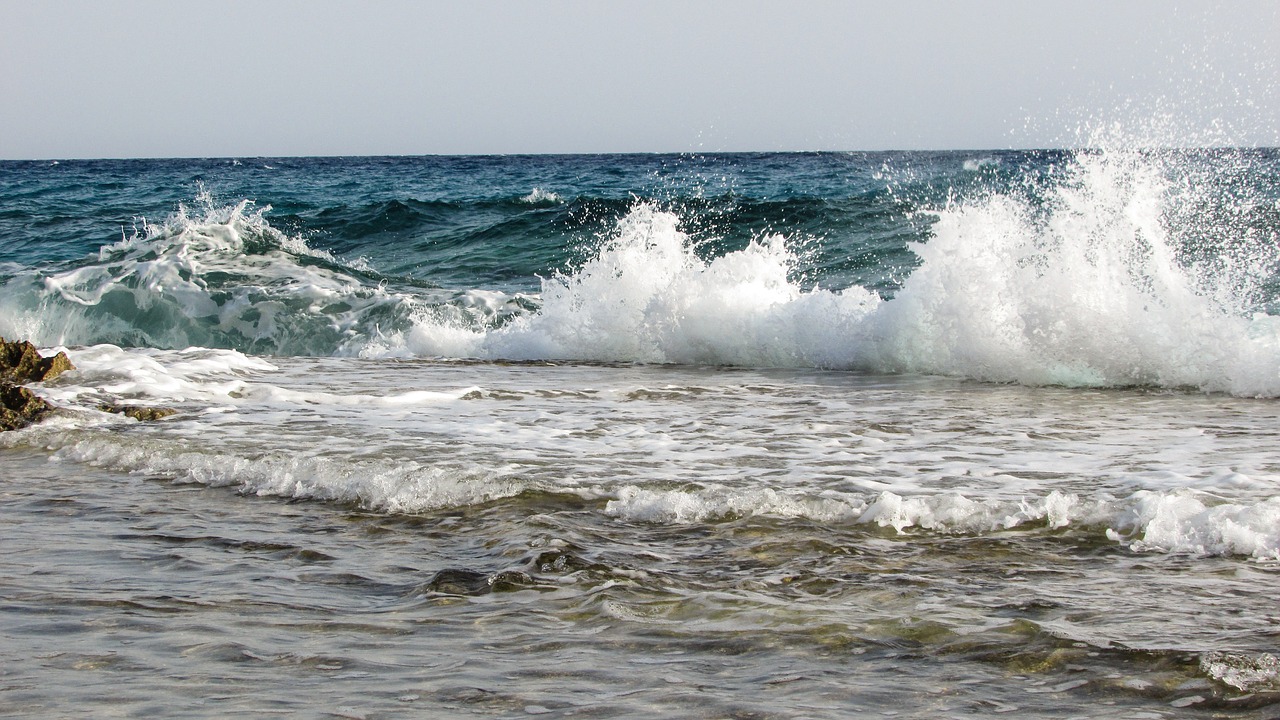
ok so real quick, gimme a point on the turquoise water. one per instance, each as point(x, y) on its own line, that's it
point(781, 435)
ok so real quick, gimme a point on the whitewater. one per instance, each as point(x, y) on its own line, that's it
point(778, 435)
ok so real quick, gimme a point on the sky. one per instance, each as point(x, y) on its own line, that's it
point(232, 78)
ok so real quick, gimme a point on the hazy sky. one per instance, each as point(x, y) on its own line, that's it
point(143, 78)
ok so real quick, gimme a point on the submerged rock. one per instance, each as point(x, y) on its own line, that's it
point(139, 412)
point(470, 582)
point(21, 363)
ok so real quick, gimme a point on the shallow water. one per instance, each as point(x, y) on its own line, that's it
point(384, 539)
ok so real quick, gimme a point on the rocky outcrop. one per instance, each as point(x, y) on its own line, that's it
point(21, 363)
point(19, 407)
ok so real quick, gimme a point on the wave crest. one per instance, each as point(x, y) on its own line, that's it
point(217, 276)
point(1102, 268)
point(1083, 285)
point(1177, 521)
point(1088, 287)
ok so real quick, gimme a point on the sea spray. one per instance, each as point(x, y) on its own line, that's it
point(1111, 267)
point(1080, 282)
point(648, 297)
point(1086, 287)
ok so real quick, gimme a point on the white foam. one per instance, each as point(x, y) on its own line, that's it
point(212, 276)
point(399, 486)
point(715, 502)
point(412, 398)
point(153, 375)
point(976, 164)
point(1084, 288)
point(245, 423)
point(950, 512)
point(956, 513)
point(1250, 673)
point(1093, 293)
point(659, 444)
point(1182, 521)
point(648, 297)
point(1169, 522)
point(210, 376)
point(538, 196)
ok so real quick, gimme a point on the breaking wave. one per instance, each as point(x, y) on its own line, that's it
point(1111, 268)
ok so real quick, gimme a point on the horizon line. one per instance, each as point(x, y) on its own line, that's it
point(682, 153)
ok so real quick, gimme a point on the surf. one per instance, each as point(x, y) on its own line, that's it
point(1090, 279)
point(1112, 267)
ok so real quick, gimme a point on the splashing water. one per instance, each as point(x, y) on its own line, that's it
point(1114, 267)
point(213, 276)
point(1086, 286)
point(648, 297)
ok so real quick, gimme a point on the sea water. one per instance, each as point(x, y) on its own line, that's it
point(772, 435)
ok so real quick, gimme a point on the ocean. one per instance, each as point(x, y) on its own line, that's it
point(811, 435)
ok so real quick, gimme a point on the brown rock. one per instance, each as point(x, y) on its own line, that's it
point(21, 363)
point(139, 412)
point(57, 365)
point(19, 407)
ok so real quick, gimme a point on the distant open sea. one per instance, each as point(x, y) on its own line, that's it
point(832, 435)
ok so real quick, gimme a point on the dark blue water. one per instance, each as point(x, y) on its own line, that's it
point(464, 220)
